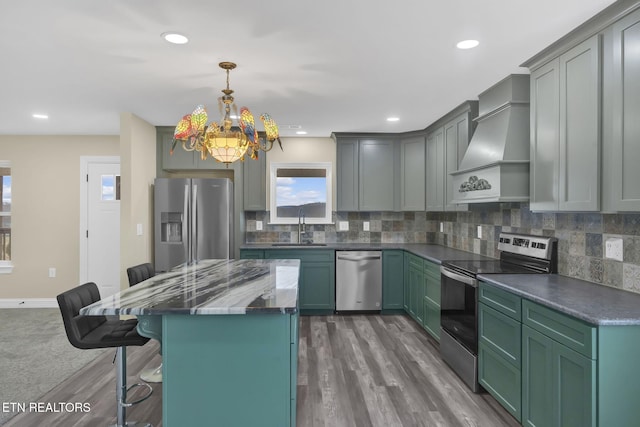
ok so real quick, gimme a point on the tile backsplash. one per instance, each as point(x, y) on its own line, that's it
point(581, 236)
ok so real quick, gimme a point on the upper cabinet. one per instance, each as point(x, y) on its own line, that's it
point(254, 183)
point(368, 170)
point(584, 116)
point(412, 173)
point(377, 182)
point(446, 144)
point(624, 149)
point(565, 131)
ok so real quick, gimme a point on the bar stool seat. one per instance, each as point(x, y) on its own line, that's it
point(136, 274)
point(92, 332)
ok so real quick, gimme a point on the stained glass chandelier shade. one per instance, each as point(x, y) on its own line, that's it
point(226, 142)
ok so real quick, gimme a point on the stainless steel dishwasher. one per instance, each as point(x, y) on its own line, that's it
point(358, 280)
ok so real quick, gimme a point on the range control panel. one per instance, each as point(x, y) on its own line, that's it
point(535, 246)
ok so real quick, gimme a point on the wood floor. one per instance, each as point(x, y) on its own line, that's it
point(354, 370)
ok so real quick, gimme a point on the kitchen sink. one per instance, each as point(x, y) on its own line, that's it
point(299, 244)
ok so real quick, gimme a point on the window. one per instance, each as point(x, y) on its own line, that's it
point(300, 189)
point(5, 217)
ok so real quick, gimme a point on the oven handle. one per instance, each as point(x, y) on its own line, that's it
point(459, 277)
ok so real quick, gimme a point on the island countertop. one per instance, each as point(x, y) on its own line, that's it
point(210, 287)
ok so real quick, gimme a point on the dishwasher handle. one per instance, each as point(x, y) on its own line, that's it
point(360, 258)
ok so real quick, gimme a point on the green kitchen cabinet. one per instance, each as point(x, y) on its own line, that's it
point(566, 130)
point(559, 384)
point(412, 173)
point(317, 278)
point(255, 183)
point(406, 294)
point(446, 143)
point(392, 279)
point(347, 174)
point(368, 172)
point(559, 369)
point(251, 254)
point(435, 170)
point(431, 299)
point(416, 288)
point(377, 170)
point(499, 357)
point(622, 154)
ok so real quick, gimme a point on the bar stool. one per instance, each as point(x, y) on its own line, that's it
point(136, 274)
point(91, 332)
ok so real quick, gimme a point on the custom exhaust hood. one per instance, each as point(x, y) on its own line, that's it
point(495, 167)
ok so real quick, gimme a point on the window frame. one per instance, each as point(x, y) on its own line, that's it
point(273, 212)
point(6, 266)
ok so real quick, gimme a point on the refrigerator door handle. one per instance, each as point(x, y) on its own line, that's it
point(194, 223)
point(186, 235)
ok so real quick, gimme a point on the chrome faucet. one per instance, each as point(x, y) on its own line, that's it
point(301, 225)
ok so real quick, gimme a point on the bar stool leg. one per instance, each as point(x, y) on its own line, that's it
point(121, 391)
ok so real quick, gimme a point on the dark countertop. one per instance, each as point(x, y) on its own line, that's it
point(595, 304)
point(432, 252)
point(210, 287)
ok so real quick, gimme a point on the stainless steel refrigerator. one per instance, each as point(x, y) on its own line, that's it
point(193, 220)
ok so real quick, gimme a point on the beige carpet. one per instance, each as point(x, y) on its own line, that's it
point(35, 355)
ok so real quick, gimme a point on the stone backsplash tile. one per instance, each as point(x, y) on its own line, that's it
point(581, 236)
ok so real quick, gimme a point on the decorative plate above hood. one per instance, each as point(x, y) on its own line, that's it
point(495, 167)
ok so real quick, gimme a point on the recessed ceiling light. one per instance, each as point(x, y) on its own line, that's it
point(393, 119)
point(175, 38)
point(40, 116)
point(301, 132)
point(467, 44)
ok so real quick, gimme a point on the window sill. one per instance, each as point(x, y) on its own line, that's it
point(6, 268)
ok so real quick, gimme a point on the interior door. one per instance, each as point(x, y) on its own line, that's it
point(103, 226)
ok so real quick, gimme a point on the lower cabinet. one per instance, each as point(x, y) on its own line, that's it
point(558, 387)
point(392, 279)
point(422, 293)
point(317, 277)
point(431, 299)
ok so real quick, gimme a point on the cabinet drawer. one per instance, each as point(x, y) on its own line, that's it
point(251, 254)
point(566, 330)
point(432, 269)
point(415, 262)
point(501, 379)
point(503, 301)
point(502, 334)
point(306, 255)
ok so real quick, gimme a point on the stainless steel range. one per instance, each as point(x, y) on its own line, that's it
point(519, 254)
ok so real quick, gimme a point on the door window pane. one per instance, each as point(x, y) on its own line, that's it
point(110, 188)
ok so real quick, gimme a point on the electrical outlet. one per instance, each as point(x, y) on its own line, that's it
point(479, 232)
point(259, 225)
point(52, 272)
point(365, 226)
point(442, 227)
point(343, 225)
point(613, 248)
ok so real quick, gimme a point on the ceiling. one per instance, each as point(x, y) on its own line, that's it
point(325, 66)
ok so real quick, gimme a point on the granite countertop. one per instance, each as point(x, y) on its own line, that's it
point(595, 304)
point(210, 287)
point(432, 252)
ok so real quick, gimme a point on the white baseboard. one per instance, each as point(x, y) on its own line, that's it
point(28, 303)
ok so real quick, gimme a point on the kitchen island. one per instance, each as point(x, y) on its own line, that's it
point(229, 333)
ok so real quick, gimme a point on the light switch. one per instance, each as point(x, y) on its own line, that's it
point(139, 229)
point(613, 248)
point(343, 225)
point(365, 226)
point(442, 227)
point(479, 232)
point(258, 225)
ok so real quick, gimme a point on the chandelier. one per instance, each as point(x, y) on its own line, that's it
point(228, 141)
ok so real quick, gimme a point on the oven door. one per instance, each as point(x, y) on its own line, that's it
point(459, 308)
